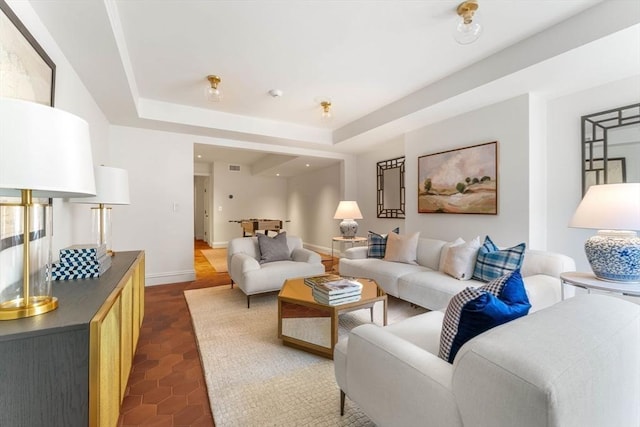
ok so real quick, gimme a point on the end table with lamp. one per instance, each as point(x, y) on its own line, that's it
point(590, 282)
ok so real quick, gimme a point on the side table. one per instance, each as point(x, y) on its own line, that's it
point(589, 281)
point(340, 240)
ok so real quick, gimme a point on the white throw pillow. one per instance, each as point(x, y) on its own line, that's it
point(445, 250)
point(461, 259)
point(402, 248)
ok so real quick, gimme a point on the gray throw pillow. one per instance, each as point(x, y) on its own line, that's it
point(273, 248)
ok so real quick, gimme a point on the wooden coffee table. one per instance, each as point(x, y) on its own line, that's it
point(308, 325)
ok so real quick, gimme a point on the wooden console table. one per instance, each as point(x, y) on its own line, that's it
point(69, 367)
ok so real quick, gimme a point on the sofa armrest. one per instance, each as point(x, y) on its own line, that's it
point(305, 255)
point(241, 264)
point(396, 382)
point(356, 252)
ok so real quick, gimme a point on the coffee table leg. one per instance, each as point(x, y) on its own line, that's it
point(384, 311)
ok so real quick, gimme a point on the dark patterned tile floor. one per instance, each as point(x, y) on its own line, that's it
point(166, 386)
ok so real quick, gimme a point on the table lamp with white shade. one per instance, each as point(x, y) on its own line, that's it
point(112, 188)
point(44, 153)
point(614, 209)
point(348, 211)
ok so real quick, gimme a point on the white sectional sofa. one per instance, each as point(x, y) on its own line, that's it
point(576, 363)
point(424, 285)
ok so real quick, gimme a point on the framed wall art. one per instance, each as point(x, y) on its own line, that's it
point(390, 188)
point(594, 171)
point(462, 181)
point(26, 71)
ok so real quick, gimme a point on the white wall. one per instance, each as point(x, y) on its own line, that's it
point(564, 164)
point(159, 219)
point(506, 122)
point(312, 200)
point(251, 197)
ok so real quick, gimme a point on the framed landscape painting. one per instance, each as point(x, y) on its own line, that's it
point(462, 181)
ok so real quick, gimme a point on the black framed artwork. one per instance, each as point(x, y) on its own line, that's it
point(28, 73)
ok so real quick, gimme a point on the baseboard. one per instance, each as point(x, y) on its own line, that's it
point(170, 277)
point(218, 245)
point(317, 248)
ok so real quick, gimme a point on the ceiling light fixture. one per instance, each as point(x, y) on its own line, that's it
point(212, 92)
point(275, 93)
point(326, 110)
point(467, 31)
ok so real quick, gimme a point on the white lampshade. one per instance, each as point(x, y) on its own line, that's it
point(614, 210)
point(112, 187)
point(609, 207)
point(348, 209)
point(44, 149)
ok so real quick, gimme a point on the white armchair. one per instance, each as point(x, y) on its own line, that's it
point(243, 255)
point(576, 363)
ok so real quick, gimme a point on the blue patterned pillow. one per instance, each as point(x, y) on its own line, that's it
point(492, 262)
point(378, 243)
point(474, 311)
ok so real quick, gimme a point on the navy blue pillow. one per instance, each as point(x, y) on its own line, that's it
point(474, 311)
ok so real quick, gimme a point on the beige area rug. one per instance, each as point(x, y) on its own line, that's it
point(252, 379)
point(217, 258)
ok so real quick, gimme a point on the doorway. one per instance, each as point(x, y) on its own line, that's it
point(202, 209)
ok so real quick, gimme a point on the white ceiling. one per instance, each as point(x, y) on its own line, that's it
point(387, 66)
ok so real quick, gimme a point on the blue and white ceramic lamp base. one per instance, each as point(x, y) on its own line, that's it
point(348, 228)
point(614, 255)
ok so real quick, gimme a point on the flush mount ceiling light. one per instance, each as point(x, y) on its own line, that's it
point(326, 110)
point(467, 31)
point(213, 93)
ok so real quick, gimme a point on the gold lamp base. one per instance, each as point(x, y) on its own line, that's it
point(16, 309)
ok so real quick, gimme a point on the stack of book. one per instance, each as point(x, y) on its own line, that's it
point(81, 262)
point(334, 290)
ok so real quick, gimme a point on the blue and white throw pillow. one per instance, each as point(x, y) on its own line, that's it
point(378, 243)
point(476, 310)
point(492, 262)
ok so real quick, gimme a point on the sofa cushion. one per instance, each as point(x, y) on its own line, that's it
point(474, 311)
point(492, 262)
point(460, 260)
point(377, 243)
point(402, 248)
point(273, 248)
point(432, 289)
point(385, 273)
point(445, 250)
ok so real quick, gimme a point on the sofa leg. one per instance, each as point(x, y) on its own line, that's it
point(231, 283)
point(342, 396)
point(248, 300)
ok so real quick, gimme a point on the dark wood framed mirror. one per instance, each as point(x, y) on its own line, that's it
point(611, 146)
point(391, 194)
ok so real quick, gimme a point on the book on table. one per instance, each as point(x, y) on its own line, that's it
point(339, 286)
point(340, 299)
point(315, 280)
